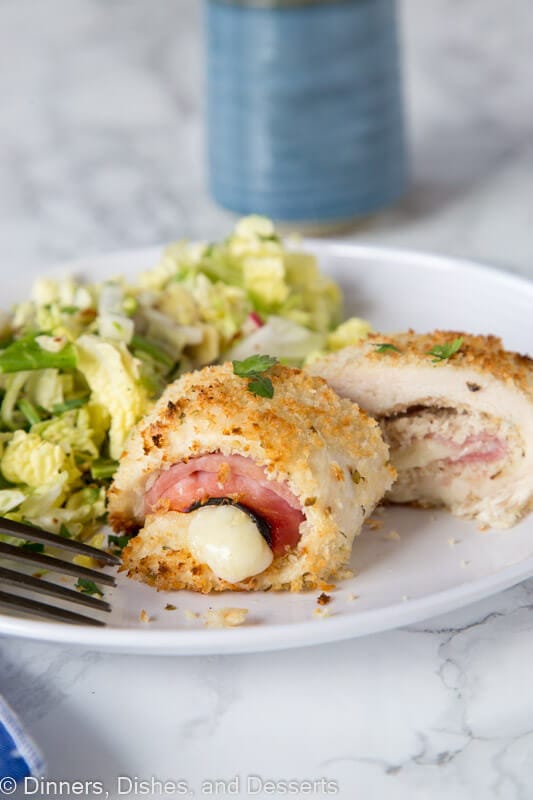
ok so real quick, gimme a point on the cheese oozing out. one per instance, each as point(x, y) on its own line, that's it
point(229, 542)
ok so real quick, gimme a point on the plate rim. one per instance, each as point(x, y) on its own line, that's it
point(280, 636)
point(340, 246)
point(251, 639)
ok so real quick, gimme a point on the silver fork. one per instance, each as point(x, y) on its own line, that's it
point(10, 577)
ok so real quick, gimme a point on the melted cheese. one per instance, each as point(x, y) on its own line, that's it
point(421, 453)
point(228, 541)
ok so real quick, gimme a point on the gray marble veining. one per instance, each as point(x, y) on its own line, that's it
point(101, 148)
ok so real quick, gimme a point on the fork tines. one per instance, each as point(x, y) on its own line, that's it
point(32, 534)
point(35, 608)
point(9, 577)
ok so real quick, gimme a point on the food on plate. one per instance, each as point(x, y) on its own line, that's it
point(225, 617)
point(457, 413)
point(81, 362)
point(247, 476)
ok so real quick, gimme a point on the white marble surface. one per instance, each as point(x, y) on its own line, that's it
point(101, 149)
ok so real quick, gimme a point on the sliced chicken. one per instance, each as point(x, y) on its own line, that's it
point(457, 413)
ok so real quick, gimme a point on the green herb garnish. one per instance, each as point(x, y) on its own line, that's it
point(443, 351)
point(34, 547)
point(385, 347)
point(64, 532)
point(118, 542)
point(253, 365)
point(261, 386)
point(88, 587)
point(253, 368)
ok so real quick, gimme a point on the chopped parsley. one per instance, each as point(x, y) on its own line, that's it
point(386, 347)
point(253, 365)
point(261, 386)
point(34, 547)
point(88, 587)
point(118, 542)
point(253, 368)
point(441, 352)
point(64, 532)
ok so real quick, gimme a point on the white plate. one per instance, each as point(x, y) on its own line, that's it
point(436, 565)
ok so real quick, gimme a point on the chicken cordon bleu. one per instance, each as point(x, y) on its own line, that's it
point(457, 413)
point(227, 489)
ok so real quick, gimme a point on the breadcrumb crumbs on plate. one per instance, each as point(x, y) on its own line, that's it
point(483, 528)
point(225, 617)
point(321, 613)
point(144, 616)
point(392, 536)
point(170, 607)
point(323, 599)
point(190, 615)
point(374, 524)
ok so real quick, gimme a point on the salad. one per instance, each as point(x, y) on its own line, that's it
point(81, 363)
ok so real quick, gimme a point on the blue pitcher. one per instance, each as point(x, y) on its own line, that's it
point(305, 113)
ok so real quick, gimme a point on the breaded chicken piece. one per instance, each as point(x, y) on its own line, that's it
point(457, 412)
point(309, 465)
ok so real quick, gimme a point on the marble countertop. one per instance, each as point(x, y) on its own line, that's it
point(101, 149)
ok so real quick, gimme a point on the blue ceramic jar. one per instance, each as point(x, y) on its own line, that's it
point(305, 116)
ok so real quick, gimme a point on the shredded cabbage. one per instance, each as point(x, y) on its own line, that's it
point(113, 377)
point(80, 362)
point(352, 331)
point(32, 460)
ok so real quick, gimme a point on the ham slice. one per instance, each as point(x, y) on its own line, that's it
point(479, 448)
point(234, 476)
